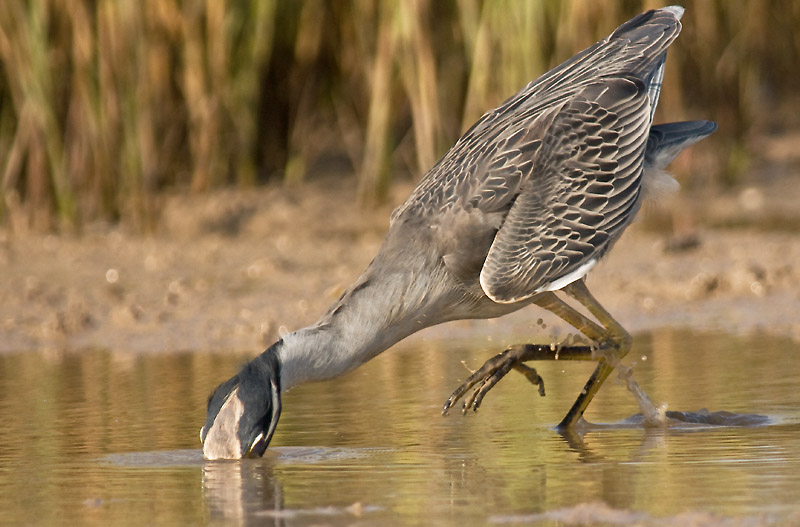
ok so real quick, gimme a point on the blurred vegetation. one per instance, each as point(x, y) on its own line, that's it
point(105, 105)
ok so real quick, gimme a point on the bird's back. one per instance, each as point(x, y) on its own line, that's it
point(539, 188)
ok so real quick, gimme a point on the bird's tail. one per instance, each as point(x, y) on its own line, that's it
point(667, 140)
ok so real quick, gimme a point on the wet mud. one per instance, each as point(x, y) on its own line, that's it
point(231, 270)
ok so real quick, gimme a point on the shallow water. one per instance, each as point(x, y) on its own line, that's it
point(110, 438)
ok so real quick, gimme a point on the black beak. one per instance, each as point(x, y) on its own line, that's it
point(261, 441)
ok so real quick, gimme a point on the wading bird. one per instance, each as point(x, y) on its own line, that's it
point(522, 206)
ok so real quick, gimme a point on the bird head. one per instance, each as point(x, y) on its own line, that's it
point(243, 411)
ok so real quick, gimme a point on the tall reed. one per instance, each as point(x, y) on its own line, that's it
point(107, 104)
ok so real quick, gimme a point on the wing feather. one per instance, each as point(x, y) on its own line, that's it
point(635, 49)
point(540, 187)
point(581, 194)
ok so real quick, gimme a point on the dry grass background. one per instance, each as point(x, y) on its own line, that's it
point(106, 105)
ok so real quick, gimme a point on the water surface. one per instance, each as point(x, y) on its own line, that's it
point(111, 438)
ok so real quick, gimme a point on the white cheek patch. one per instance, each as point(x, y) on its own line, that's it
point(222, 440)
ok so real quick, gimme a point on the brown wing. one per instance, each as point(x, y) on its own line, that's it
point(582, 191)
point(635, 49)
point(539, 188)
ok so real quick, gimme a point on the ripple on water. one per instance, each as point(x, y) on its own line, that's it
point(277, 455)
point(599, 513)
point(381, 453)
point(678, 420)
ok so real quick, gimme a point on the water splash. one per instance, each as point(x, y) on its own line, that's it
point(657, 416)
point(654, 416)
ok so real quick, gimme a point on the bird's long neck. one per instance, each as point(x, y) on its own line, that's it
point(376, 312)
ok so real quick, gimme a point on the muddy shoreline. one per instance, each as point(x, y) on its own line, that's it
point(231, 270)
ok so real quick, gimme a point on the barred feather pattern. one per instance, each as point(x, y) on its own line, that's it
point(554, 174)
